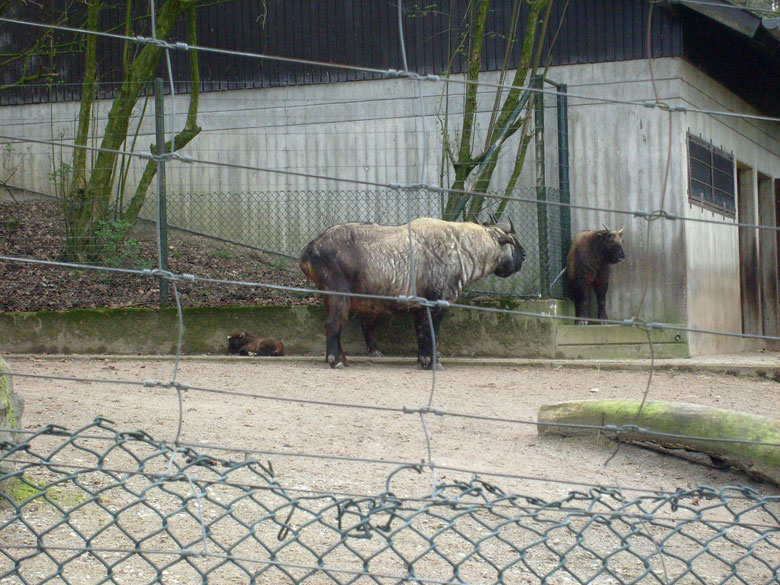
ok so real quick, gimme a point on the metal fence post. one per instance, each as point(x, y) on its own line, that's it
point(541, 189)
point(562, 105)
point(162, 215)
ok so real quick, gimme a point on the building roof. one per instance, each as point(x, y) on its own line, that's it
point(731, 44)
point(736, 47)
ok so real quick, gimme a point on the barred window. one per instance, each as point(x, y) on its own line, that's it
point(710, 177)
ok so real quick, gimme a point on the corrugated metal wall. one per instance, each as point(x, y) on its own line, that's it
point(353, 32)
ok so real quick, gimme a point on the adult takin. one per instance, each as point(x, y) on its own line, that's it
point(587, 266)
point(371, 259)
point(243, 343)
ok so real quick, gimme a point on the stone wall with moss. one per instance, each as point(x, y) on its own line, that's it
point(150, 331)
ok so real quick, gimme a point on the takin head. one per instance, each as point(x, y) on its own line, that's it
point(511, 258)
point(611, 243)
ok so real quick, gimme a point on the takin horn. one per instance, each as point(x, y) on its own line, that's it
point(506, 226)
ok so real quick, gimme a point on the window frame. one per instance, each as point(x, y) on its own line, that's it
point(714, 165)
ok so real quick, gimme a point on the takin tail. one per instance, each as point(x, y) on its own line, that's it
point(306, 264)
point(307, 269)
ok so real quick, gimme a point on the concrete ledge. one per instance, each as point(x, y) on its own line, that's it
point(464, 333)
point(151, 331)
point(617, 341)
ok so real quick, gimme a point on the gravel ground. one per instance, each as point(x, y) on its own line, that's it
point(257, 421)
point(308, 417)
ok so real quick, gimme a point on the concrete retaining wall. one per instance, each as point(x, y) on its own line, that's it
point(150, 331)
point(464, 333)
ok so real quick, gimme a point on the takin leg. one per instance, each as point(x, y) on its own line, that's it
point(600, 286)
point(578, 288)
point(422, 328)
point(437, 315)
point(336, 311)
point(368, 324)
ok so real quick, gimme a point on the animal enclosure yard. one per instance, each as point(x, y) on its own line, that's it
point(323, 510)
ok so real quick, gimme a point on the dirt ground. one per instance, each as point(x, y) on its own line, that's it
point(326, 448)
point(549, 466)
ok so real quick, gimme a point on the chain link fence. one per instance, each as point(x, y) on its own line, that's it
point(283, 222)
point(103, 506)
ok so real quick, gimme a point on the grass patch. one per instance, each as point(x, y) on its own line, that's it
point(22, 490)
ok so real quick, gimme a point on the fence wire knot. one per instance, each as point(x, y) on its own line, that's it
point(396, 73)
point(423, 410)
point(656, 214)
point(161, 43)
point(160, 273)
point(161, 384)
point(411, 299)
point(167, 274)
point(166, 156)
point(664, 106)
point(640, 323)
point(632, 428)
point(150, 41)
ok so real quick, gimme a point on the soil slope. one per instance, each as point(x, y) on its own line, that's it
point(35, 230)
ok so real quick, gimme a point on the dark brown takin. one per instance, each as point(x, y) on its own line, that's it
point(371, 259)
point(587, 266)
point(243, 343)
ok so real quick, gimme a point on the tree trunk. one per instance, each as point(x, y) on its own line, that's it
point(98, 189)
point(464, 163)
point(503, 126)
point(675, 425)
point(512, 118)
point(189, 132)
point(76, 196)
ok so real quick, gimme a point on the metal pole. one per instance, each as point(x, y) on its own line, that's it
point(162, 216)
point(541, 190)
point(563, 170)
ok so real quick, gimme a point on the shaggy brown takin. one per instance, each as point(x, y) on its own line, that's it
point(587, 266)
point(371, 259)
point(243, 343)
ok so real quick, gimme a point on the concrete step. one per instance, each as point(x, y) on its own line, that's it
point(618, 342)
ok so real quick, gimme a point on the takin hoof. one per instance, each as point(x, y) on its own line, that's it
point(375, 353)
point(430, 366)
point(336, 363)
point(427, 364)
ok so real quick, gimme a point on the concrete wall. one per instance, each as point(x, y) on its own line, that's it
point(362, 132)
point(712, 251)
point(374, 131)
point(619, 154)
point(147, 331)
point(463, 334)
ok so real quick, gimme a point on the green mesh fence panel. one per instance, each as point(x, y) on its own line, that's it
point(283, 222)
point(103, 506)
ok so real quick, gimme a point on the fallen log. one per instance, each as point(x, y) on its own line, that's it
point(723, 435)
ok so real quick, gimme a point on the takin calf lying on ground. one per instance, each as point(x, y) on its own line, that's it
point(371, 259)
point(243, 343)
point(587, 266)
